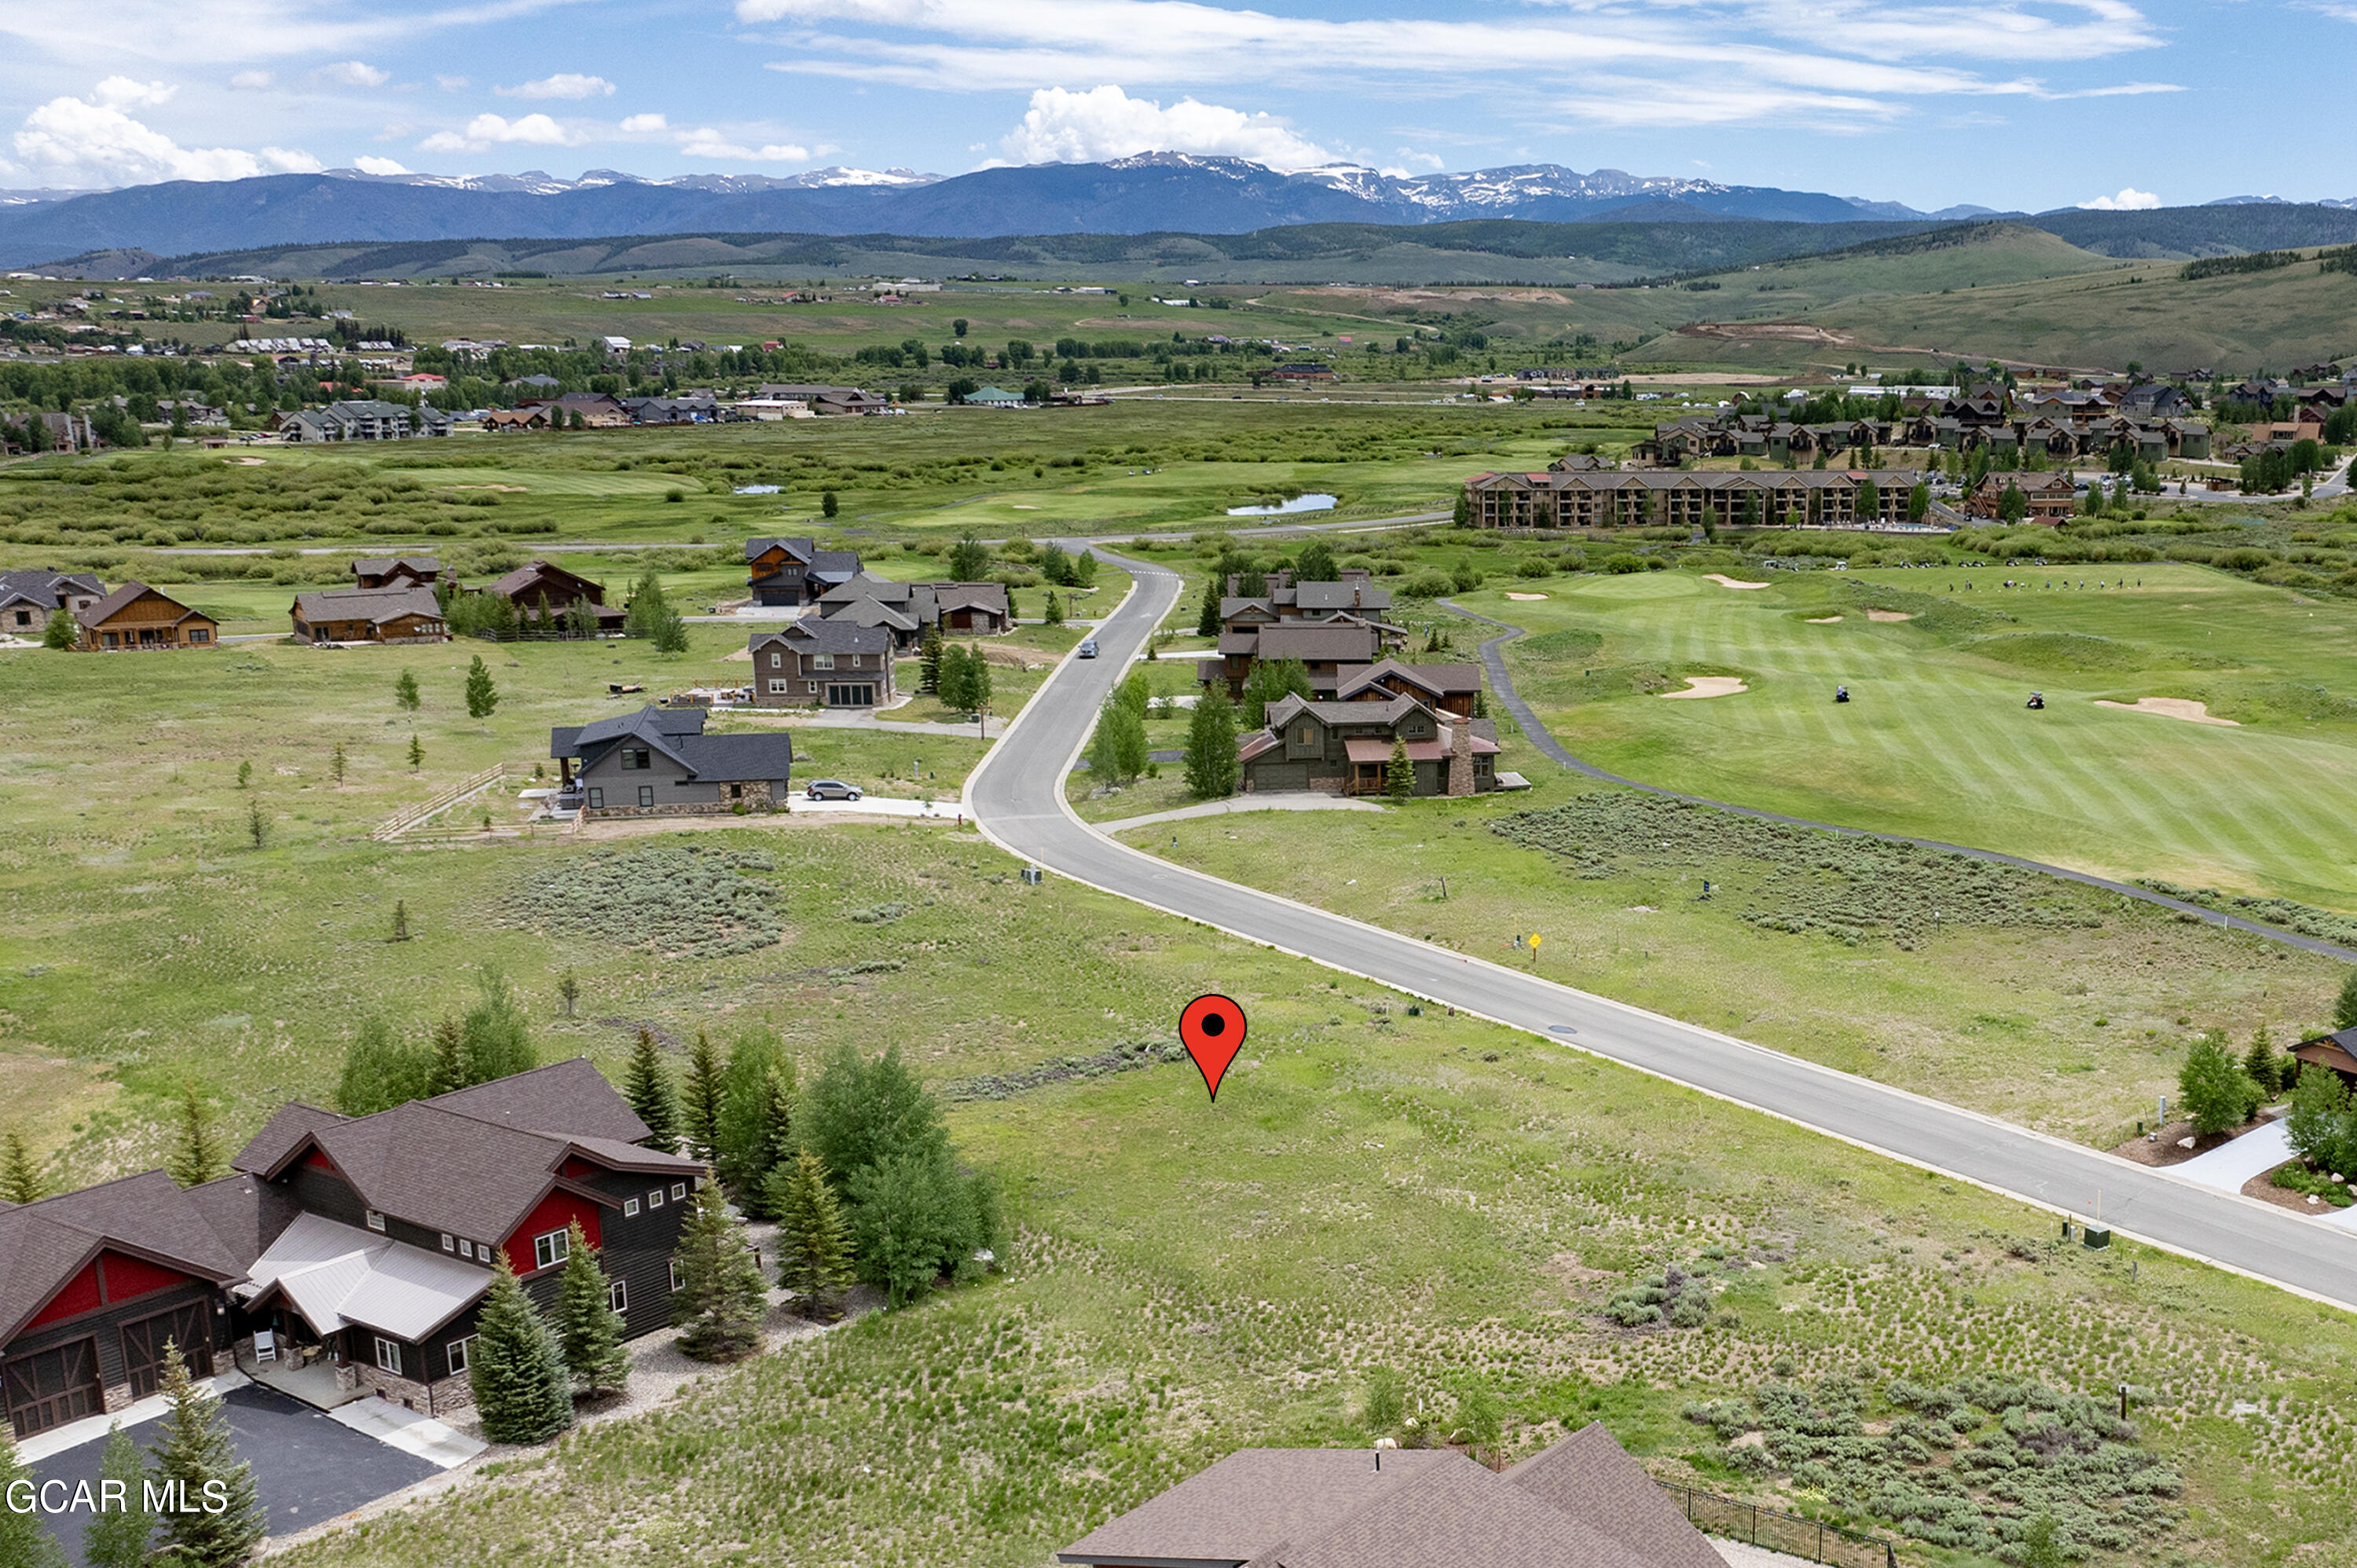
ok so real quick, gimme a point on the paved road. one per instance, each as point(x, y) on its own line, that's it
point(1017, 801)
point(1494, 664)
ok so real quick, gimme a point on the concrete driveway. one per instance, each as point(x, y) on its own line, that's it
point(308, 1467)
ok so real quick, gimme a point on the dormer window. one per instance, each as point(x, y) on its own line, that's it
point(375, 1221)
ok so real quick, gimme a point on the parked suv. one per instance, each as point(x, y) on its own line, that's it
point(832, 789)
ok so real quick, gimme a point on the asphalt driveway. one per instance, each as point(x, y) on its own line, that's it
point(307, 1467)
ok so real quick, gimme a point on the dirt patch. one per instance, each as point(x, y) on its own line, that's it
point(2169, 1148)
point(246, 462)
point(741, 655)
point(1724, 581)
point(1886, 616)
point(1825, 620)
point(1708, 686)
point(1568, 1268)
point(1525, 598)
point(2185, 708)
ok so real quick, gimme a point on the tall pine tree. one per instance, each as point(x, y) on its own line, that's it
point(21, 1180)
point(24, 1538)
point(197, 1459)
point(699, 1099)
point(449, 1057)
point(118, 1538)
point(721, 1301)
point(647, 1086)
point(813, 1240)
point(197, 1154)
point(1207, 614)
point(516, 1367)
point(588, 1327)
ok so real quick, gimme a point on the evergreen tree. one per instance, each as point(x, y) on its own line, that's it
point(978, 679)
point(813, 1241)
point(117, 1538)
point(24, 1539)
point(952, 681)
point(2344, 1006)
point(929, 661)
point(1054, 615)
point(588, 1327)
point(496, 1039)
point(2261, 1064)
point(416, 753)
point(829, 503)
point(969, 559)
point(516, 1367)
point(21, 1180)
point(1315, 564)
point(1462, 517)
point(449, 1057)
point(482, 695)
point(1084, 569)
point(1207, 616)
point(1211, 766)
point(1399, 773)
point(405, 691)
point(647, 1086)
point(196, 1458)
point(699, 1100)
point(381, 1073)
point(1272, 681)
point(61, 632)
point(1252, 582)
point(720, 1302)
point(197, 1155)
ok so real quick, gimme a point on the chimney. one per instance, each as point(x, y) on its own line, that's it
point(1460, 758)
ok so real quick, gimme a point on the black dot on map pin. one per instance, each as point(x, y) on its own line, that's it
point(1212, 1029)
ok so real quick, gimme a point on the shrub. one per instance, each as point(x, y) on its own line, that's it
point(677, 902)
point(2215, 1092)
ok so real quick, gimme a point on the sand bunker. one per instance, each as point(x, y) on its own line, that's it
point(1724, 581)
point(258, 462)
point(2184, 708)
point(1526, 597)
point(1824, 620)
point(1708, 686)
point(513, 489)
point(1887, 615)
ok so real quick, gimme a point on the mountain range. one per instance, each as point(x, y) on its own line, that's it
point(1152, 191)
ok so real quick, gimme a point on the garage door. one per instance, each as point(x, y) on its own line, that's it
point(50, 1388)
point(1280, 776)
point(144, 1341)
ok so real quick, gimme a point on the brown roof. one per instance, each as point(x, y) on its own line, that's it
point(247, 1213)
point(1355, 644)
point(1582, 1504)
point(107, 609)
point(971, 595)
point(44, 1244)
point(287, 1127)
point(1440, 679)
point(1591, 1477)
point(378, 607)
point(570, 1099)
point(533, 575)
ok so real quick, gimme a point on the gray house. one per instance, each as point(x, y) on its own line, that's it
point(658, 762)
point(28, 599)
point(816, 663)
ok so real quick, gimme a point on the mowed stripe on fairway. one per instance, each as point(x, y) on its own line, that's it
point(1938, 742)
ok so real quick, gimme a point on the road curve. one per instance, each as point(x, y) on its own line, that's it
point(1017, 799)
point(1535, 731)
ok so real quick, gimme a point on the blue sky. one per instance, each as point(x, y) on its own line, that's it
point(2034, 104)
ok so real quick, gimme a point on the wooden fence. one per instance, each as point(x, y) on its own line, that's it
point(409, 817)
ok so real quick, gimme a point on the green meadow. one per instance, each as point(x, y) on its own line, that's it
point(1937, 741)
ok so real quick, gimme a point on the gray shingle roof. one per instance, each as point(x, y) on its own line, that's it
point(812, 633)
point(44, 1244)
point(1590, 1477)
point(570, 1099)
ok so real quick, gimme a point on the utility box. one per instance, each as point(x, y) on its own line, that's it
point(2092, 1237)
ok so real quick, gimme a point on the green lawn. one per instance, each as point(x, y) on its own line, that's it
point(1937, 742)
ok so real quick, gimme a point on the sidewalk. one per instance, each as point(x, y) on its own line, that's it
point(421, 1436)
point(2227, 1168)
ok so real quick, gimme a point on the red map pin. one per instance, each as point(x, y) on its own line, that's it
point(1212, 1029)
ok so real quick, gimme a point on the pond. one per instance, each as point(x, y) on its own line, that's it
point(1315, 500)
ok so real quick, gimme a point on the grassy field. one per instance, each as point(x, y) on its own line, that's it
point(1936, 741)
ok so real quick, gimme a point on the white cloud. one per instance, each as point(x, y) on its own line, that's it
point(354, 74)
point(485, 131)
point(643, 124)
point(79, 140)
point(707, 143)
point(2129, 200)
point(449, 83)
point(378, 166)
point(564, 84)
point(252, 81)
point(1838, 63)
point(1107, 123)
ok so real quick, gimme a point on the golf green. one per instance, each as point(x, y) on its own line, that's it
point(1938, 739)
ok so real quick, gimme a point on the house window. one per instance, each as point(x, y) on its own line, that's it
point(375, 1221)
point(676, 1283)
point(465, 1248)
point(776, 659)
point(1307, 735)
point(551, 1248)
point(458, 1353)
point(596, 800)
point(618, 1296)
point(778, 688)
point(450, 1242)
point(629, 1208)
point(809, 685)
point(199, 634)
point(654, 1198)
point(388, 1355)
point(679, 1191)
point(646, 794)
point(822, 660)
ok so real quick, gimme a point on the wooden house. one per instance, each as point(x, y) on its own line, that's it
point(396, 572)
point(542, 591)
point(795, 571)
point(137, 616)
point(1345, 748)
point(822, 663)
point(408, 614)
point(1444, 688)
